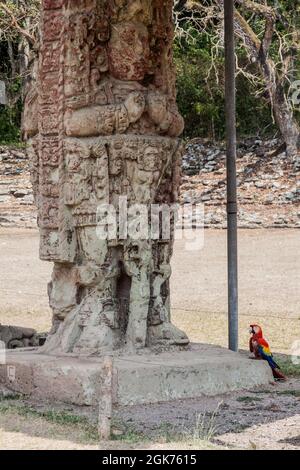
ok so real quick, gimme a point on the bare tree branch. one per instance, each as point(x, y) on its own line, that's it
point(14, 24)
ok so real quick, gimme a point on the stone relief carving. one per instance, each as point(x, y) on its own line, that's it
point(107, 128)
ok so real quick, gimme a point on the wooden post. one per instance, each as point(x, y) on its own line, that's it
point(105, 400)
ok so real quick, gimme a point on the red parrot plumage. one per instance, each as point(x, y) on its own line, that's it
point(261, 350)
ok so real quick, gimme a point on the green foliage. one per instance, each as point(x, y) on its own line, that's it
point(10, 115)
point(10, 122)
point(290, 392)
point(288, 367)
point(200, 71)
point(201, 94)
point(247, 399)
point(200, 101)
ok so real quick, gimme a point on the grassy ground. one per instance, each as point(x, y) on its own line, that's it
point(202, 327)
point(264, 418)
point(23, 427)
point(212, 328)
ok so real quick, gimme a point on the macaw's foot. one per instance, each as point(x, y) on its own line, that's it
point(278, 375)
point(166, 334)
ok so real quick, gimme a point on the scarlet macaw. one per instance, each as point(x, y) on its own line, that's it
point(261, 349)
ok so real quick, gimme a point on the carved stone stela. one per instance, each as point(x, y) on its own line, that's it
point(102, 124)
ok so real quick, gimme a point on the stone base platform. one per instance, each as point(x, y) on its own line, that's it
point(137, 379)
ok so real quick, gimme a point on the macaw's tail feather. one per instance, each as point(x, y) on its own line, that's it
point(278, 375)
point(272, 363)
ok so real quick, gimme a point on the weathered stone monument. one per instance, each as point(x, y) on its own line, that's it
point(103, 125)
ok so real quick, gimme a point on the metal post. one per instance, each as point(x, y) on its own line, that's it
point(230, 98)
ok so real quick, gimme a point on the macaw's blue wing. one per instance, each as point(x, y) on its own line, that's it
point(268, 356)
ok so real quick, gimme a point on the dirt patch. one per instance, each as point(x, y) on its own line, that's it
point(266, 418)
point(238, 420)
point(269, 285)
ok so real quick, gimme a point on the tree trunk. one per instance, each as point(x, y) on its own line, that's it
point(282, 112)
point(285, 120)
point(11, 59)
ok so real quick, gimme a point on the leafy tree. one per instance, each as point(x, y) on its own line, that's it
point(267, 54)
point(19, 21)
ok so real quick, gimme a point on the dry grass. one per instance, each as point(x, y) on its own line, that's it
point(201, 327)
point(30, 317)
point(34, 432)
point(212, 328)
point(22, 430)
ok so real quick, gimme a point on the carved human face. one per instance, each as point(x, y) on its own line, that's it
point(157, 107)
point(73, 163)
point(128, 51)
point(149, 161)
point(115, 165)
point(75, 156)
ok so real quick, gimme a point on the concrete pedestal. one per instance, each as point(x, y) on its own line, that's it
point(148, 378)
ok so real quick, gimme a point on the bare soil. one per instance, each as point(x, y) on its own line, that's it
point(259, 419)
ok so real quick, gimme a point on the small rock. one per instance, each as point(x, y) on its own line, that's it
point(19, 193)
point(260, 185)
